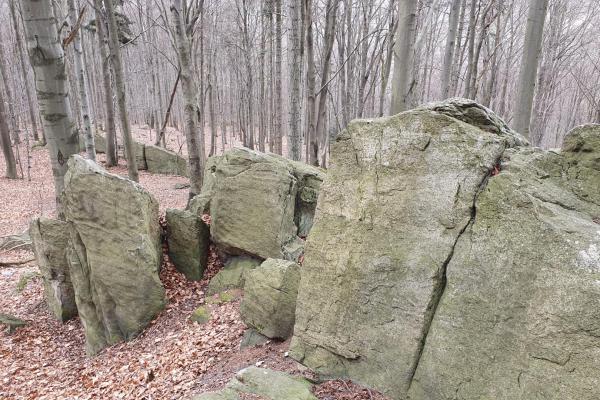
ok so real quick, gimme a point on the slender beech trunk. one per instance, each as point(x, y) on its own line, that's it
point(295, 138)
point(278, 101)
point(529, 65)
point(10, 98)
point(111, 131)
point(404, 51)
point(195, 146)
point(80, 71)
point(117, 63)
point(9, 156)
point(19, 43)
point(48, 62)
point(450, 45)
point(471, 33)
point(312, 141)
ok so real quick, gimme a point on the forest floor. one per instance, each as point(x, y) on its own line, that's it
point(174, 358)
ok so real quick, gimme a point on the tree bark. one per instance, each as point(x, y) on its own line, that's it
point(278, 106)
point(80, 71)
point(117, 63)
point(19, 43)
point(295, 139)
point(450, 45)
point(10, 98)
point(529, 64)
point(403, 80)
point(195, 146)
point(48, 62)
point(9, 156)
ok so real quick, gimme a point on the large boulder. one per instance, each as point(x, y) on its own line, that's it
point(399, 195)
point(233, 275)
point(188, 239)
point(519, 316)
point(259, 203)
point(264, 383)
point(269, 303)
point(114, 253)
point(162, 161)
point(50, 240)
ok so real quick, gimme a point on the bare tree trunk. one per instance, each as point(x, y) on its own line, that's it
point(404, 51)
point(278, 112)
point(387, 63)
point(10, 98)
point(321, 132)
point(27, 82)
point(111, 135)
point(471, 33)
point(195, 146)
point(450, 45)
point(9, 156)
point(115, 50)
point(48, 61)
point(312, 141)
point(295, 139)
point(80, 70)
point(529, 64)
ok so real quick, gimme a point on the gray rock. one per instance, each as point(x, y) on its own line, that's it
point(399, 194)
point(188, 239)
point(100, 143)
point(11, 322)
point(162, 161)
point(269, 302)
point(139, 150)
point(255, 201)
point(114, 253)
point(252, 338)
point(50, 240)
point(233, 274)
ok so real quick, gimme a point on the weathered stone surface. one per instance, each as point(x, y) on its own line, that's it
point(188, 239)
point(269, 303)
point(162, 161)
point(399, 194)
point(233, 274)
point(114, 253)
point(519, 318)
point(252, 338)
point(254, 200)
point(266, 383)
point(11, 322)
point(140, 154)
point(50, 242)
point(100, 142)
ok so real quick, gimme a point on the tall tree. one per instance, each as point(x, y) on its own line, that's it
point(190, 91)
point(117, 63)
point(529, 65)
point(9, 156)
point(23, 67)
point(450, 45)
point(111, 131)
point(295, 137)
point(404, 52)
point(75, 18)
point(48, 62)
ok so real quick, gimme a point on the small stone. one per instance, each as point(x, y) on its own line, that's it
point(201, 315)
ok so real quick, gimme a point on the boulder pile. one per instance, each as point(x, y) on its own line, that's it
point(450, 260)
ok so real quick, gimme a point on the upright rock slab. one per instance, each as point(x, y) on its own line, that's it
point(398, 196)
point(254, 200)
point(269, 303)
point(162, 161)
point(50, 240)
point(188, 239)
point(519, 318)
point(114, 253)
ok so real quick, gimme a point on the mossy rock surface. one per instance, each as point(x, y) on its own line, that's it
point(188, 239)
point(233, 274)
point(201, 315)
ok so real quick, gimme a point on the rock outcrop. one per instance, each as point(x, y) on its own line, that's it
point(269, 303)
point(114, 253)
point(233, 274)
point(50, 240)
point(188, 239)
point(265, 383)
point(162, 161)
point(400, 194)
point(519, 318)
point(259, 203)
